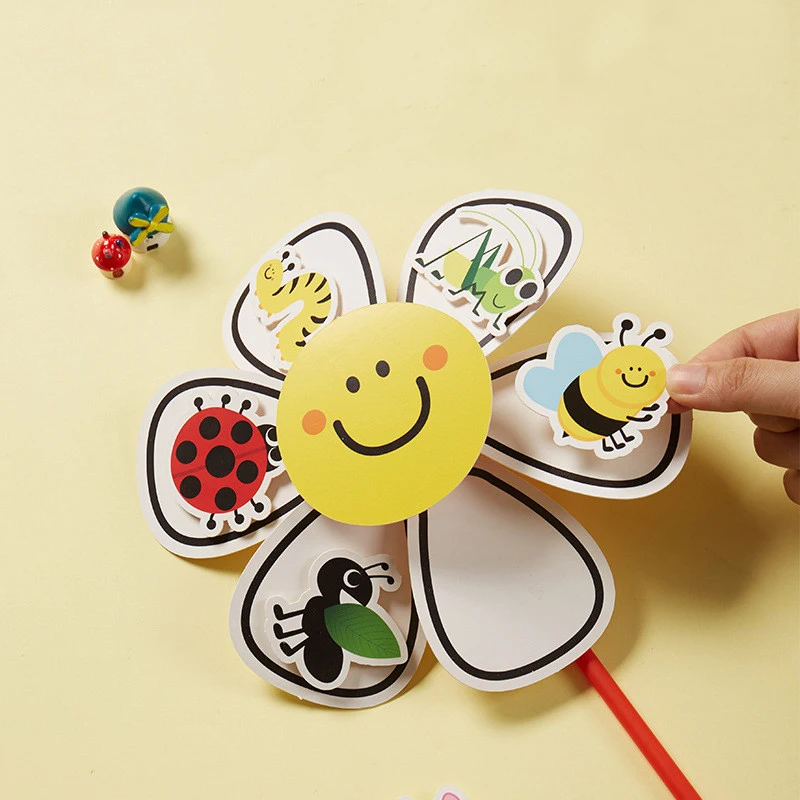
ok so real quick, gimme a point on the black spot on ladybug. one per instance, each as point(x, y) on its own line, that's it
point(220, 461)
point(190, 486)
point(186, 452)
point(242, 432)
point(209, 427)
point(247, 471)
point(225, 499)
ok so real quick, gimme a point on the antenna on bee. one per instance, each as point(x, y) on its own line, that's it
point(625, 325)
point(658, 333)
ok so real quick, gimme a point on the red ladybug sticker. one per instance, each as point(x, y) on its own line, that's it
point(220, 459)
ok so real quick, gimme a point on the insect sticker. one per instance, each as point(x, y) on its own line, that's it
point(338, 621)
point(223, 458)
point(496, 270)
point(599, 396)
point(294, 302)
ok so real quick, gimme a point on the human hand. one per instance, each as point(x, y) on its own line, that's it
point(755, 369)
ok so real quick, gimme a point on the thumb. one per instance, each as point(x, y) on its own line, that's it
point(756, 386)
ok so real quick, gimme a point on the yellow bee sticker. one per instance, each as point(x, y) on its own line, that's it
point(384, 412)
point(597, 395)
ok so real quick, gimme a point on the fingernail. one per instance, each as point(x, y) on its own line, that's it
point(686, 378)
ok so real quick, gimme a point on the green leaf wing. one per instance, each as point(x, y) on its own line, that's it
point(361, 631)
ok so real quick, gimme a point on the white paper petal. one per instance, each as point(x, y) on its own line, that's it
point(175, 528)
point(280, 567)
point(523, 440)
point(510, 588)
point(333, 244)
point(559, 229)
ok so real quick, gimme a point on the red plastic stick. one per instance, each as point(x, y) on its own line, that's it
point(637, 728)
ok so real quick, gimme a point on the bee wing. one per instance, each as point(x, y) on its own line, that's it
point(552, 224)
point(175, 528)
point(510, 588)
point(541, 382)
point(523, 441)
point(280, 568)
point(333, 245)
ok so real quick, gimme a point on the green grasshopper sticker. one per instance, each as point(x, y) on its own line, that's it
point(501, 278)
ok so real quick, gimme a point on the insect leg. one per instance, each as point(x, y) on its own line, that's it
point(280, 614)
point(606, 448)
point(626, 438)
point(290, 651)
point(621, 445)
point(280, 633)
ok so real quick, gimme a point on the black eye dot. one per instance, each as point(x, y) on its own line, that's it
point(382, 368)
point(513, 276)
point(639, 368)
point(630, 368)
point(353, 384)
point(527, 290)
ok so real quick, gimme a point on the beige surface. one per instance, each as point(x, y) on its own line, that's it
point(671, 129)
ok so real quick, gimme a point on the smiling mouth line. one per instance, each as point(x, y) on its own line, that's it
point(395, 444)
point(635, 385)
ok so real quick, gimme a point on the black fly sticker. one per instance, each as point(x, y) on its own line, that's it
point(338, 621)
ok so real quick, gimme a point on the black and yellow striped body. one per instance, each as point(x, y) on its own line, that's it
point(312, 289)
point(586, 413)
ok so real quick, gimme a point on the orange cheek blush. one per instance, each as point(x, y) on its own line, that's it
point(618, 371)
point(314, 422)
point(652, 373)
point(435, 357)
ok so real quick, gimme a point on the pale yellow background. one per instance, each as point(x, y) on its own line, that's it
point(671, 129)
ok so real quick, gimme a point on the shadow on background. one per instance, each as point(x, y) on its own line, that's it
point(173, 260)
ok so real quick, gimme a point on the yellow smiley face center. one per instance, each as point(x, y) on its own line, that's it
point(384, 412)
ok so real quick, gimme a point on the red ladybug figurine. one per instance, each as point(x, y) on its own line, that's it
point(111, 254)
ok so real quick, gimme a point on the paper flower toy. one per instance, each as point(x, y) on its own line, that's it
point(382, 465)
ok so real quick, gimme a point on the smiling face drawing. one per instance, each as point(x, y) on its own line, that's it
point(633, 376)
point(384, 413)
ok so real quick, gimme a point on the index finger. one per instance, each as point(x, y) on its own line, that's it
point(774, 337)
